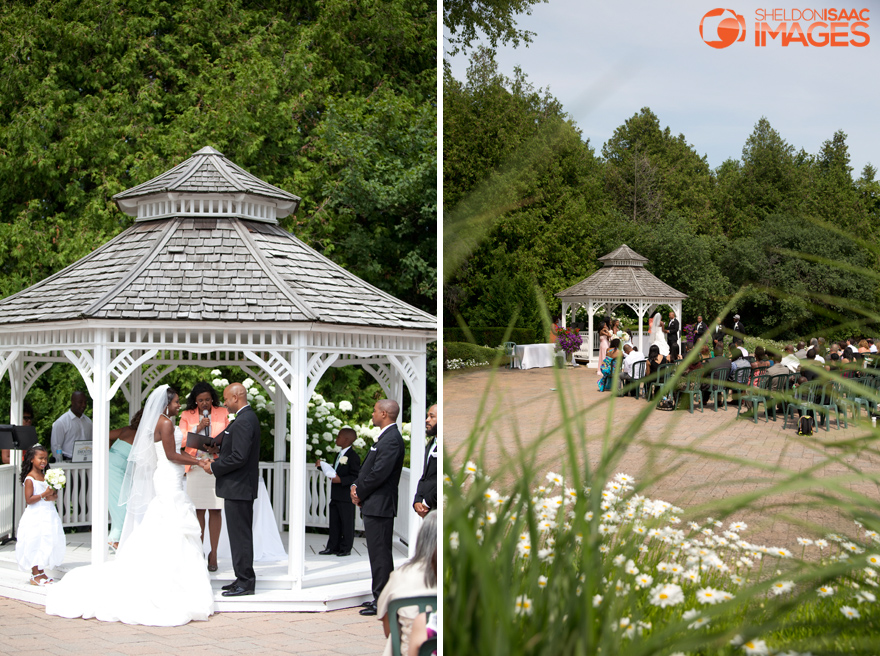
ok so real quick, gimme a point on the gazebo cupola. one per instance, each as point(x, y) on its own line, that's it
point(204, 186)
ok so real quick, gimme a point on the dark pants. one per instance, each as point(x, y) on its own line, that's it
point(240, 526)
point(341, 526)
point(379, 532)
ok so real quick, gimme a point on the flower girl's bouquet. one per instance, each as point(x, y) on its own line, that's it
point(56, 478)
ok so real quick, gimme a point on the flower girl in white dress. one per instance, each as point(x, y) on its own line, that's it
point(40, 540)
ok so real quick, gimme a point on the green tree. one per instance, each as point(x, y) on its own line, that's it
point(494, 19)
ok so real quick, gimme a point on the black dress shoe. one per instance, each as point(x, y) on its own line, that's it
point(327, 552)
point(342, 554)
point(229, 586)
point(368, 604)
point(237, 591)
point(366, 611)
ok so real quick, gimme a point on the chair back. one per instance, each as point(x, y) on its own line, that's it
point(509, 348)
point(428, 647)
point(638, 369)
point(718, 377)
point(423, 602)
point(742, 376)
point(756, 372)
point(763, 382)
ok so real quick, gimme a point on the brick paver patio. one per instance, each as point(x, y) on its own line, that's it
point(27, 631)
point(526, 406)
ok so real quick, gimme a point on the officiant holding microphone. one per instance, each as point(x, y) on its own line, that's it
point(206, 416)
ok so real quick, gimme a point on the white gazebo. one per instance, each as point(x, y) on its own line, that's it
point(622, 280)
point(206, 277)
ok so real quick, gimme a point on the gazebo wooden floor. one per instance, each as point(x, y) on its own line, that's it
point(330, 582)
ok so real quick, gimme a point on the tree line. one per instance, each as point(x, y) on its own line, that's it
point(529, 206)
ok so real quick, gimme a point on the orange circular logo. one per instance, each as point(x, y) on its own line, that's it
point(720, 28)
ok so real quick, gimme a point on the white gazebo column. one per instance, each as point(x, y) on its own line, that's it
point(417, 392)
point(589, 348)
point(100, 447)
point(16, 382)
point(565, 307)
point(280, 454)
point(296, 537)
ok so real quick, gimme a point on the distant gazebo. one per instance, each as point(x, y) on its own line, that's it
point(622, 280)
point(205, 276)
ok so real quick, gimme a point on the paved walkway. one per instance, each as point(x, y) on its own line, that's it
point(26, 630)
point(703, 458)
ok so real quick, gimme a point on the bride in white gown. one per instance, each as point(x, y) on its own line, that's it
point(158, 577)
point(658, 337)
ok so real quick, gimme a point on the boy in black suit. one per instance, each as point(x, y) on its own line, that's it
point(347, 466)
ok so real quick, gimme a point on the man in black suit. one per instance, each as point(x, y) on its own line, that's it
point(238, 471)
point(700, 329)
point(375, 491)
point(426, 492)
point(672, 338)
point(347, 466)
point(738, 328)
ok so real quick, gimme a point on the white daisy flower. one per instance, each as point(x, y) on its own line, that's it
point(780, 552)
point(821, 544)
point(738, 526)
point(597, 599)
point(874, 559)
point(754, 646)
point(865, 596)
point(542, 581)
point(709, 596)
point(850, 612)
point(805, 542)
point(782, 587)
point(669, 594)
point(523, 605)
point(644, 580)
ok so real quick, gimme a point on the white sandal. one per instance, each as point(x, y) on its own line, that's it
point(46, 581)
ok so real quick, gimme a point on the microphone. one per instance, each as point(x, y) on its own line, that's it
point(207, 415)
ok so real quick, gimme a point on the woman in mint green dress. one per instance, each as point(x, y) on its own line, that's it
point(120, 447)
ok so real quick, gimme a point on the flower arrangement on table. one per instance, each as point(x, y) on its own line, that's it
point(569, 340)
point(56, 478)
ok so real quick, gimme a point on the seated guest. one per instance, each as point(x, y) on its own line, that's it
point(606, 367)
point(801, 352)
point(872, 348)
point(808, 368)
point(739, 343)
point(738, 360)
point(630, 358)
point(814, 344)
point(655, 359)
point(414, 578)
point(791, 360)
point(761, 360)
point(718, 349)
point(698, 363)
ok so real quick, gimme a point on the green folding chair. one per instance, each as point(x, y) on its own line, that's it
point(424, 602)
point(510, 351)
point(758, 397)
point(718, 386)
point(692, 390)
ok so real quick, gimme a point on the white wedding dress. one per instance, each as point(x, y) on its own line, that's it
point(159, 576)
point(658, 337)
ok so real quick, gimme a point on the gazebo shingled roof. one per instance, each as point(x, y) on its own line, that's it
point(208, 265)
point(623, 273)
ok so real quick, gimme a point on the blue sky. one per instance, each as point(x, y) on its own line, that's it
point(606, 60)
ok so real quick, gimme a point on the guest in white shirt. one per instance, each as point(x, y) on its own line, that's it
point(631, 356)
point(872, 347)
point(71, 427)
point(791, 360)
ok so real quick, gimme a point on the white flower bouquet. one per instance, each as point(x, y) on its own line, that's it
point(56, 478)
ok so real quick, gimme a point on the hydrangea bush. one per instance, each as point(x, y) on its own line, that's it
point(575, 570)
point(323, 421)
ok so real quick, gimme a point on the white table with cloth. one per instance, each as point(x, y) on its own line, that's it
point(530, 356)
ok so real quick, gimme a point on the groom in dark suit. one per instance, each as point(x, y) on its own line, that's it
point(237, 471)
point(375, 491)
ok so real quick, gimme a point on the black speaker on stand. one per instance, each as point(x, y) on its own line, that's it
point(16, 438)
